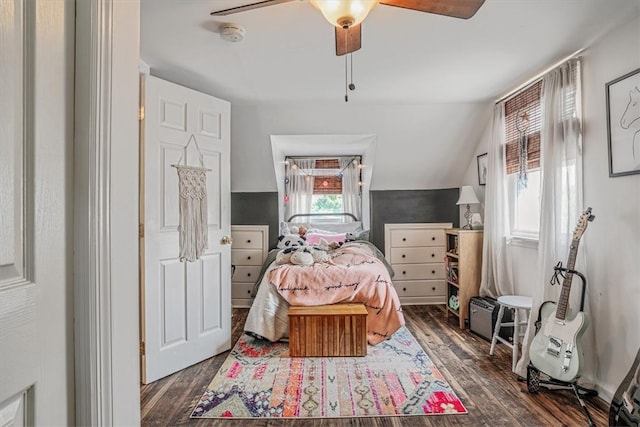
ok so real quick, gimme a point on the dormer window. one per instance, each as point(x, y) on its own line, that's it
point(323, 185)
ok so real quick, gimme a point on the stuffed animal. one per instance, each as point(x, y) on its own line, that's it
point(320, 255)
point(290, 240)
point(284, 256)
point(357, 235)
point(301, 256)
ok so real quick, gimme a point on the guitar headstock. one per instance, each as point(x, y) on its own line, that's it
point(581, 226)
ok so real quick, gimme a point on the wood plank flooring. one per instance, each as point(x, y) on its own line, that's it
point(485, 384)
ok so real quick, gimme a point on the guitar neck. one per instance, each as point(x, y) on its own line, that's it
point(563, 301)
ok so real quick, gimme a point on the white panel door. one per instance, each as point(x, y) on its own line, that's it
point(186, 305)
point(36, 137)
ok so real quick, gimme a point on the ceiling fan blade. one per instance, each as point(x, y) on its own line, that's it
point(348, 40)
point(464, 9)
point(251, 6)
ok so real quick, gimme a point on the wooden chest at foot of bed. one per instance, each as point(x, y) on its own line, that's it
point(328, 330)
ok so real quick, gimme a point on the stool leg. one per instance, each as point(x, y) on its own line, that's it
point(496, 330)
point(516, 336)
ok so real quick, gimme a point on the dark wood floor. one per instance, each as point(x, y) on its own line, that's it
point(488, 389)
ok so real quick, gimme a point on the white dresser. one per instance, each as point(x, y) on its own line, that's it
point(416, 252)
point(248, 252)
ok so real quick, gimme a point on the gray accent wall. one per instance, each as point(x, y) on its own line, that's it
point(389, 206)
point(410, 206)
point(256, 209)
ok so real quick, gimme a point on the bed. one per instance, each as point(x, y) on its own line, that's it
point(356, 272)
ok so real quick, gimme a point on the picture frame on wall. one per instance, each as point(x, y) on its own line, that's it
point(483, 165)
point(623, 124)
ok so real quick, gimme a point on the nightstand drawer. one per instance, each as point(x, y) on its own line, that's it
point(245, 273)
point(420, 288)
point(241, 290)
point(425, 237)
point(247, 239)
point(246, 257)
point(417, 255)
point(418, 271)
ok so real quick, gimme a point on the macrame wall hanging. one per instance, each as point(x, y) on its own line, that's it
point(192, 190)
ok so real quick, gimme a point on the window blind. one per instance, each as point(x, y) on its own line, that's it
point(527, 101)
point(330, 183)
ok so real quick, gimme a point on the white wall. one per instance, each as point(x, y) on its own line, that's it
point(612, 242)
point(613, 239)
point(418, 146)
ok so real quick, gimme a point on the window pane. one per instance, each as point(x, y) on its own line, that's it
point(525, 205)
point(327, 203)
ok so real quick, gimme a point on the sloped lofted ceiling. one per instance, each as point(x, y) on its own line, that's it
point(288, 53)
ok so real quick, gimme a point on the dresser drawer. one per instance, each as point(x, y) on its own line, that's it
point(404, 238)
point(420, 288)
point(418, 271)
point(246, 273)
point(417, 255)
point(241, 290)
point(246, 257)
point(247, 239)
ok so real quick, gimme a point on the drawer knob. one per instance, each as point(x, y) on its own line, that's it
point(404, 289)
point(248, 274)
point(404, 256)
point(404, 272)
point(433, 255)
point(404, 239)
point(249, 241)
point(249, 292)
point(249, 257)
point(433, 272)
point(434, 288)
point(433, 238)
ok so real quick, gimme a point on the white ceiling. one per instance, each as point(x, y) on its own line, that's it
point(288, 53)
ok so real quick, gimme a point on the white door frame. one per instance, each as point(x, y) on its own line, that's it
point(105, 219)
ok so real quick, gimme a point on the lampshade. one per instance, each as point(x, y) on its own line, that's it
point(344, 13)
point(467, 196)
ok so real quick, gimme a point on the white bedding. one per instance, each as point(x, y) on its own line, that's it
point(268, 315)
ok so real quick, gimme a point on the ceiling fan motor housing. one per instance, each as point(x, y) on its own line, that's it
point(233, 33)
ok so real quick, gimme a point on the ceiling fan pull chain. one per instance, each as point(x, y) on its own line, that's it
point(346, 75)
point(346, 69)
point(351, 85)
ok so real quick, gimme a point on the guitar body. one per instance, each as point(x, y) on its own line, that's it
point(556, 349)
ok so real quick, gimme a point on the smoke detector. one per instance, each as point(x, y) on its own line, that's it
point(233, 33)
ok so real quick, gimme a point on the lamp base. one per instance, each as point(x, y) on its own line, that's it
point(467, 216)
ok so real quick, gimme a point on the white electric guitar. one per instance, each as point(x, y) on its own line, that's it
point(556, 349)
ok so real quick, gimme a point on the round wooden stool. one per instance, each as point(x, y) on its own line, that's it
point(516, 303)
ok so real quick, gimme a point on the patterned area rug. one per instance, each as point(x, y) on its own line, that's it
point(396, 378)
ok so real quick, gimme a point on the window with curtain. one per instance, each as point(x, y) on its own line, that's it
point(522, 126)
point(322, 185)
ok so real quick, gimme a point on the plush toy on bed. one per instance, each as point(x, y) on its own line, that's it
point(290, 240)
point(301, 256)
point(320, 255)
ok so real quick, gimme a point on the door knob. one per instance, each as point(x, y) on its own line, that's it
point(226, 240)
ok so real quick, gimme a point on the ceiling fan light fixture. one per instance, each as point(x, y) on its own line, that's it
point(344, 13)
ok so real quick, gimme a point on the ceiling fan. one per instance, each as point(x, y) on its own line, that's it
point(347, 15)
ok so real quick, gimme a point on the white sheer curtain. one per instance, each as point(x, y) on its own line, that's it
point(300, 187)
point(497, 275)
point(351, 200)
point(561, 196)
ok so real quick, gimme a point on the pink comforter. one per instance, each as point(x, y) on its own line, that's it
point(354, 274)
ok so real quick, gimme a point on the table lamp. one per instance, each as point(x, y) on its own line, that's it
point(467, 197)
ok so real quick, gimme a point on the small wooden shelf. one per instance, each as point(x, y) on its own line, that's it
point(464, 247)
